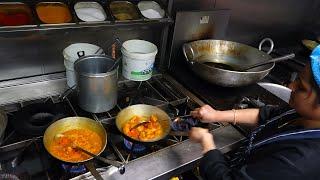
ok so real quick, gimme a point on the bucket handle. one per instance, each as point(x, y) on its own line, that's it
point(80, 54)
point(271, 44)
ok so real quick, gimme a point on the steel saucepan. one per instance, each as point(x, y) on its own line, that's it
point(143, 110)
point(70, 123)
point(228, 54)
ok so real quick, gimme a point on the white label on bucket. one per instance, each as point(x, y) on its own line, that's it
point(137, 70)
point(204, 20)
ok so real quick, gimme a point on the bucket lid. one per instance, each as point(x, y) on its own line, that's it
point(77, 50)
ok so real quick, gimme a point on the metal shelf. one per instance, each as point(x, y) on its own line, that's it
point(112, 24)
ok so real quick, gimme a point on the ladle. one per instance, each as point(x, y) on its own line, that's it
point(244, 69)
point(274, 60)
point(107, 161)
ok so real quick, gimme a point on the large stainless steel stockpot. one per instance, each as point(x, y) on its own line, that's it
point(96, 83)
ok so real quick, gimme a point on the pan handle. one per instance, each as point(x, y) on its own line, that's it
point(187, 49)
point(93, 171)
point(271, 44)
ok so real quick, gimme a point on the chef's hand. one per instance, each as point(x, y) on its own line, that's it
point(202, 136)
point(205, 114)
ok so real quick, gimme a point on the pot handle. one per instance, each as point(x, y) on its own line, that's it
point(93, 171)
point(271, 44)
point(187, 49)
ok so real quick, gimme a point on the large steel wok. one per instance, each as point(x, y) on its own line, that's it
point(231, 54)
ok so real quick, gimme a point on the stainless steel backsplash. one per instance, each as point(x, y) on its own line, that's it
point(24, 54)
point(32, 53)
point(252, 20)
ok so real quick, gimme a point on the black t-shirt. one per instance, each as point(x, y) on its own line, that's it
point(289, 159)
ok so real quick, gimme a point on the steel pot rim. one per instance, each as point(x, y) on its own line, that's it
point(115, 69)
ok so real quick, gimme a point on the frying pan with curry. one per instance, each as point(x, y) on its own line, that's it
point(143, 110)
point(76, 123)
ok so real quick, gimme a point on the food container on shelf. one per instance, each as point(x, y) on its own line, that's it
point(138, 58)
point(151, 10)
point(15, 14)
point(74, 52)
point(53, 13)
point(90, 12)
point(124, 10)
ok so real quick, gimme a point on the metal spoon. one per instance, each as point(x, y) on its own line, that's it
point(278, 59)
point(140, 124)
point(107, 161)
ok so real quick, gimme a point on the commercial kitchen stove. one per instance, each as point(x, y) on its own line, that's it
point(22, 153)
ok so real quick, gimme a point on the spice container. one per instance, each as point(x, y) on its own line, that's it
point(124, 10)
point(53, 12)
point(151, 9)
point(15, 14)
point(90, 11)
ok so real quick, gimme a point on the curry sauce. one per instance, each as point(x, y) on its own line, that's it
point(62, 147)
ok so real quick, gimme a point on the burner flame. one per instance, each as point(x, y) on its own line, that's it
point(184, 123)
point(137, 148)
point(74, 169)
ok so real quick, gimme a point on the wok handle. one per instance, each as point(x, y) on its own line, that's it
point(187, 49)
point(271, 44)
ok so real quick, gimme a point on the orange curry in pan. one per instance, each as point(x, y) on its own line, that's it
point(62, 147)
point(148, 131)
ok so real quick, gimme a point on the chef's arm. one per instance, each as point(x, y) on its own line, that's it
point(242, 116)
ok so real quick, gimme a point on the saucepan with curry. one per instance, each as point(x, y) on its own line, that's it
point(76, 140)
point(143, 123)
point(61, 138)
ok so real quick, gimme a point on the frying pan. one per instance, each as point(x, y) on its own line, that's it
point(143, 110)
point(70, 123)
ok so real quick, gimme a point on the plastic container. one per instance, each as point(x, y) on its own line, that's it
point(90, 11)
point(74, 52)
point(138, 58)
point(15, 14)
point(124, 10)
point(151, 9)
point(53, 12)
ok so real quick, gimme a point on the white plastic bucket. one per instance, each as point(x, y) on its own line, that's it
point(138, 58)
point(72, 53)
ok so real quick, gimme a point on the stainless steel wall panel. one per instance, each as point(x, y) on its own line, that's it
point(252, 20)
point(34, 53)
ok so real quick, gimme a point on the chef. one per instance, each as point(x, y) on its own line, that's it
point(285, 143)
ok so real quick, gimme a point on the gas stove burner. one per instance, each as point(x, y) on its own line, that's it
point(74, 169)
point(137, 148)
point(184, 123)
point(5, 176)
point(33, 119)
point(248, 102)
point(16, 173)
